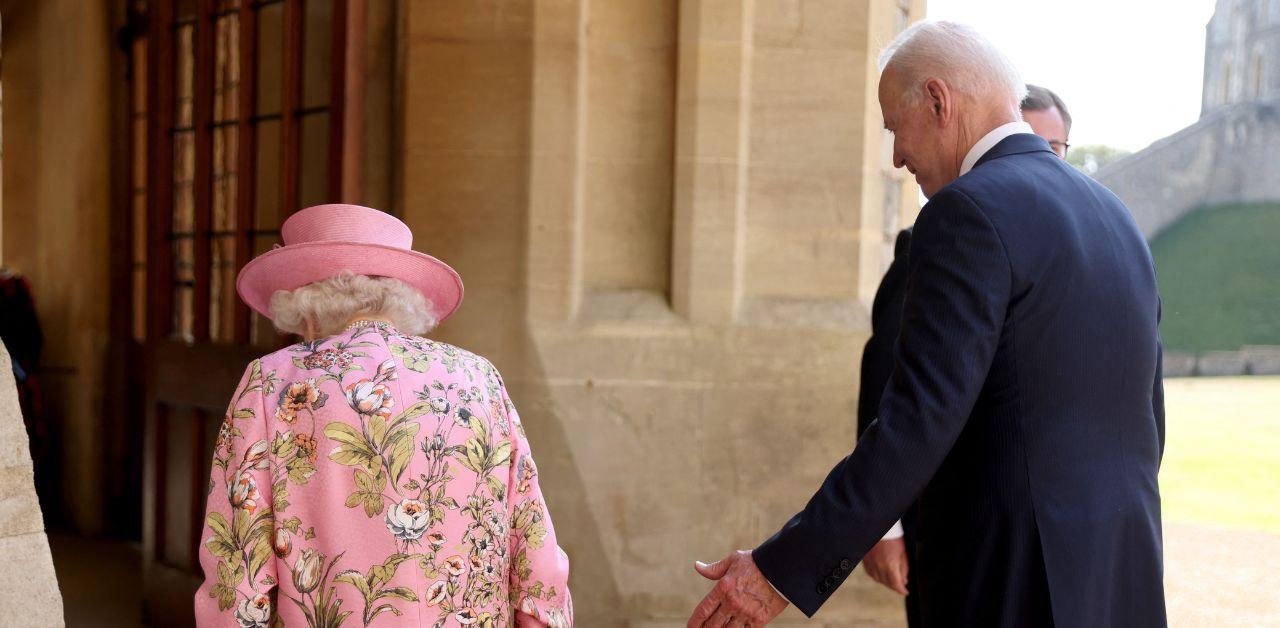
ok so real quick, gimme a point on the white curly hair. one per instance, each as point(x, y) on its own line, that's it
point(957, 54)
point(331, 303)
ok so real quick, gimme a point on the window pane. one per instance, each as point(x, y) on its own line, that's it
point(184, 260)
point(313, 173)
point(183, 310)
point(222, 289)
point(184, 170)
point(317, 41)
point(267, 179)
point(270, 58)
point(184, 270)
point(184, 69)
point(224, 178)
point(226, 68)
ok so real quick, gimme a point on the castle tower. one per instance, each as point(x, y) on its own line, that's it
point(1242, 53)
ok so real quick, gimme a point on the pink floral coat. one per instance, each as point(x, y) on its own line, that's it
point(377, 479)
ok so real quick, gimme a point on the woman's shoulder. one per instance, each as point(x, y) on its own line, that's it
point(282, 357)
point(412, 353)
point(446, 353)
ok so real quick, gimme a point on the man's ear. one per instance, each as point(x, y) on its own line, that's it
point(938, 99)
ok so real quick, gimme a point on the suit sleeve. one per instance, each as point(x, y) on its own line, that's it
point(957, 294)
point(236, 541)
point(886, 320)
point(539, 578)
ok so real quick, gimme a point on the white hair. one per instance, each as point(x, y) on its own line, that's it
point(333, 302)
point(957, 54)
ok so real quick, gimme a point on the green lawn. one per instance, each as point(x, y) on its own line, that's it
point(1222, 452)
point(1219, 271)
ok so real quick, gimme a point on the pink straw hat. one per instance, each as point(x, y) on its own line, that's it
point(324, 240)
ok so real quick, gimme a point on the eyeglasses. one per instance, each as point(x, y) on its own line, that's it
point(1059, 147)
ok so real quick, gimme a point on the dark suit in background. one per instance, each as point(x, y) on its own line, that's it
point(1025, 412)
point(877, 365)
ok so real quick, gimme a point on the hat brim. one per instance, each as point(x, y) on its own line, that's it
point(291, 267)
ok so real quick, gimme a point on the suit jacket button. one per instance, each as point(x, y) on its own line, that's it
point(823, 589)
point(845, 565)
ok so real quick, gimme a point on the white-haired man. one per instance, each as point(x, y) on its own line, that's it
point(1025, 409)
point(889, 561)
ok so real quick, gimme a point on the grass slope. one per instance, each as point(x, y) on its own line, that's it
point(1219, 271)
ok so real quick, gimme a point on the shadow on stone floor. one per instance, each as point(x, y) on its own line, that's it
point(1213, 577)
point(101, 581)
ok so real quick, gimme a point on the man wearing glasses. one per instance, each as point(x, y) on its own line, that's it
point(889, 561)
point(1048, 117)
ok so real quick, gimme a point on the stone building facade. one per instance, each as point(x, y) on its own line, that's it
point(1228, 156)
point(1242, 53)
point(670, 215)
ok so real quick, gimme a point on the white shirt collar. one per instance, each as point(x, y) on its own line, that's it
point(989, 142)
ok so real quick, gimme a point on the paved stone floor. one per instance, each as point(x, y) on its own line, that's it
point(101, 581)
point(1217, 577)
point(1213, 577)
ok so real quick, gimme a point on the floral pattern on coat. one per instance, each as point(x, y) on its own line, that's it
point(377, 479)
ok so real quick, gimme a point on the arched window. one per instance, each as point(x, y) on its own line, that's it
point(1226, 82)
point(1259, 77)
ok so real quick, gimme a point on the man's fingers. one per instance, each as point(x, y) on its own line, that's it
point(720, 618)
point(897, 578)
point(705, 608)
point(714, 571)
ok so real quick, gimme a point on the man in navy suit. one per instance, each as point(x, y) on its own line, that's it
point(890, 561)
point(1025, 409)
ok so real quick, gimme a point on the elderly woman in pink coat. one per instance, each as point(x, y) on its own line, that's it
point(369, 476)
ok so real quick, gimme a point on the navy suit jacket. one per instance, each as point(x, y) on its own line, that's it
point(1025, 412)
point(886, 320)
point(877, 366)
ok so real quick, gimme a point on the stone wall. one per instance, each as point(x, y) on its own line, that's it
point(1228, 156)
point(56, 213)
point(1250, 360)
point(29, 594)
point(670, 217)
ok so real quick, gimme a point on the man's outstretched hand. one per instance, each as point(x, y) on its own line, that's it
point(742, 596)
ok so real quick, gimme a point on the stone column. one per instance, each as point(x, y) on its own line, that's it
point(29, 594)
point(713, 122)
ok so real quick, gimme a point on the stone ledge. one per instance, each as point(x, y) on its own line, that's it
point(1221, 363)
point(1262, 360)
point(639, 307)
point(1251, 360)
